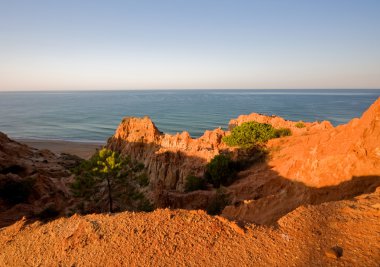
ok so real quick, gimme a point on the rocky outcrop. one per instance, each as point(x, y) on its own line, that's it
point(329, 157)
point(278, 122)
point(326, 165)
point(169, 159)
point(317, 163)
point(31, 181)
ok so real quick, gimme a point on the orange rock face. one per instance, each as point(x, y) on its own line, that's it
point(169, 159)
point(331, 156)
point(48, 176)
point(317, 163)
point(311, 168)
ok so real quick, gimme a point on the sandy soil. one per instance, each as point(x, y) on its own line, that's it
point(80, 149)
point(304, 237)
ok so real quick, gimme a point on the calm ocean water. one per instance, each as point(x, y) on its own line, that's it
point(94, 116)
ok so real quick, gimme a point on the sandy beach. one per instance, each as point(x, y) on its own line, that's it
point(80, 149)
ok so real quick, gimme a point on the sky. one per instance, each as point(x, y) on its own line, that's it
point(197, 44)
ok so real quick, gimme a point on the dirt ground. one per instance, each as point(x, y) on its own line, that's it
point(341, 233)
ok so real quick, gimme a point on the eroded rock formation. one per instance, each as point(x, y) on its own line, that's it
point(31, 181)
point(330, 157)
point(169, 159)
point(312, 168)
point(317, 163)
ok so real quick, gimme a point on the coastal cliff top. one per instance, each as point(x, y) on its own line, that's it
point(309, 235)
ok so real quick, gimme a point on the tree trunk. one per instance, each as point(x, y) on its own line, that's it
point(109, 194)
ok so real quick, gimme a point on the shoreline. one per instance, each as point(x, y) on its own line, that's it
point(81, 149)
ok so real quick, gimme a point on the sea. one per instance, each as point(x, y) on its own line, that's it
point(92, 116)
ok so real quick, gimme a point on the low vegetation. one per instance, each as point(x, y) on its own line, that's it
point(300, 124)
point(142, 179)
point(253, 133)
point(218, 202)
point(221, 170)
point(194, 183)
point(281, 132)
point(109, 177)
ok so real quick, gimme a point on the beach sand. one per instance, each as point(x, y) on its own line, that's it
point(80, 149)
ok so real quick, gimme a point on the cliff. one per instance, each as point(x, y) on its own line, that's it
point(332, 156)
point(324, 165)
point(169, 159)
point(318, 163)
point(32, 182)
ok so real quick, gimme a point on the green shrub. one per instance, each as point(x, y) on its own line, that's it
point(218, 202)
point(253, 133)
point(110, 177)
point(300, 124)
point(105, 169)
point(15, 192)
point(250, 133)
point(143, 179)
point(138, 166)
point(220, 171)
point(283, 132)
point(194, 183)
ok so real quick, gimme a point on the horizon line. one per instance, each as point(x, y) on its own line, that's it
point(173, 89)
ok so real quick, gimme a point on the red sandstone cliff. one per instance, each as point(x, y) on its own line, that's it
point(317, 163)
point(325, 165)
point(169, 159)
point(37, 177)
point(332, 156)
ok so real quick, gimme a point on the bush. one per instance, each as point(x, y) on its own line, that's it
point(253, 133)
point(300, 124)
point(15, 192)
point(249, 134)
point(194, 183)
point(220, 171)
point(143, 180)
point(109, 175)
point(138, 166)
point(218, 203)
point(283, 132)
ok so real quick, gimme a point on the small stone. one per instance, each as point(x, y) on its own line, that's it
point(334, 252)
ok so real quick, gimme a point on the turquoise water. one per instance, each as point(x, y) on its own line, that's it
point(94, 116)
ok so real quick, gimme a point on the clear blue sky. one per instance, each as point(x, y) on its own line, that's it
point(178, 44)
